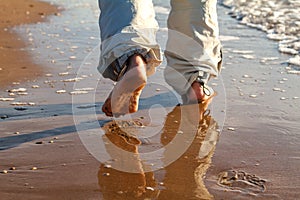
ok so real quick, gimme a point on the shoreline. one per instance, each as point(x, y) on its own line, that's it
point(279, 23)
point(16, 64)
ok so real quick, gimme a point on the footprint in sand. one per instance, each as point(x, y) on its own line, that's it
point(241, 181)
point(121, 132)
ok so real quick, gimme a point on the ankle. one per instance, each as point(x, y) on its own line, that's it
point(137, 64)
point(136, 60)
point(197, 90)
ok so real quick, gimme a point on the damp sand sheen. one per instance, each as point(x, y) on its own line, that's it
point(254, 156)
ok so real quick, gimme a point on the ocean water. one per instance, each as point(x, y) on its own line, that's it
point(280, 19)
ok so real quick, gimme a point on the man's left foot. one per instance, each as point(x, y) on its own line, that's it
point(124, 97)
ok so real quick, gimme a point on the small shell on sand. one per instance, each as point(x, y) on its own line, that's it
point(22, 93)
point(288, 68)
point(50, 81)
point(35, 86)
point(231, 129)
point(179, 132)
point(7, 99)
point(107, 166)
point(34, 168)
point(270, 58)
point(277, 89)
point(106, 174)
point(61, 91)
point(4, 171)
point(84, 89)
point(64, 73)
point(253, 95)
point(72, 57)
point(78, 92)
point(250, 57)
point(18, 90)
point(23, 104)
point(72, 80)
point(87, 106)
point(283, 98)
point(150, 188)
point(295, 97)
point(48, 75)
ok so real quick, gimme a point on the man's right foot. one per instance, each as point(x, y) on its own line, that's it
point(197, 94)
point(124, 98)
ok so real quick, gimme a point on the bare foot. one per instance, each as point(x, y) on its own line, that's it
point(196, 94)
point(124, 98)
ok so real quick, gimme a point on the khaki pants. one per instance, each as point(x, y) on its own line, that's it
point(193, 49)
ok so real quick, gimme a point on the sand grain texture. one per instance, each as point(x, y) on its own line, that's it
point(16, 64)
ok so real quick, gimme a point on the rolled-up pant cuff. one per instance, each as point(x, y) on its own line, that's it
point(118, 67)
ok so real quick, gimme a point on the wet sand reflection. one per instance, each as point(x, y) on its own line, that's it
point(182, 179)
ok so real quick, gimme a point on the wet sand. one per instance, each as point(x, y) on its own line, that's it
point(16, 64)
point(42, 152)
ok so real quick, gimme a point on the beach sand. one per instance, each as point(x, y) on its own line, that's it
point(42, 132)
point(16, 64)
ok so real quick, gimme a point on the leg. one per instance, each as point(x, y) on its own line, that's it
point(128, 50)
point(193, 48)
